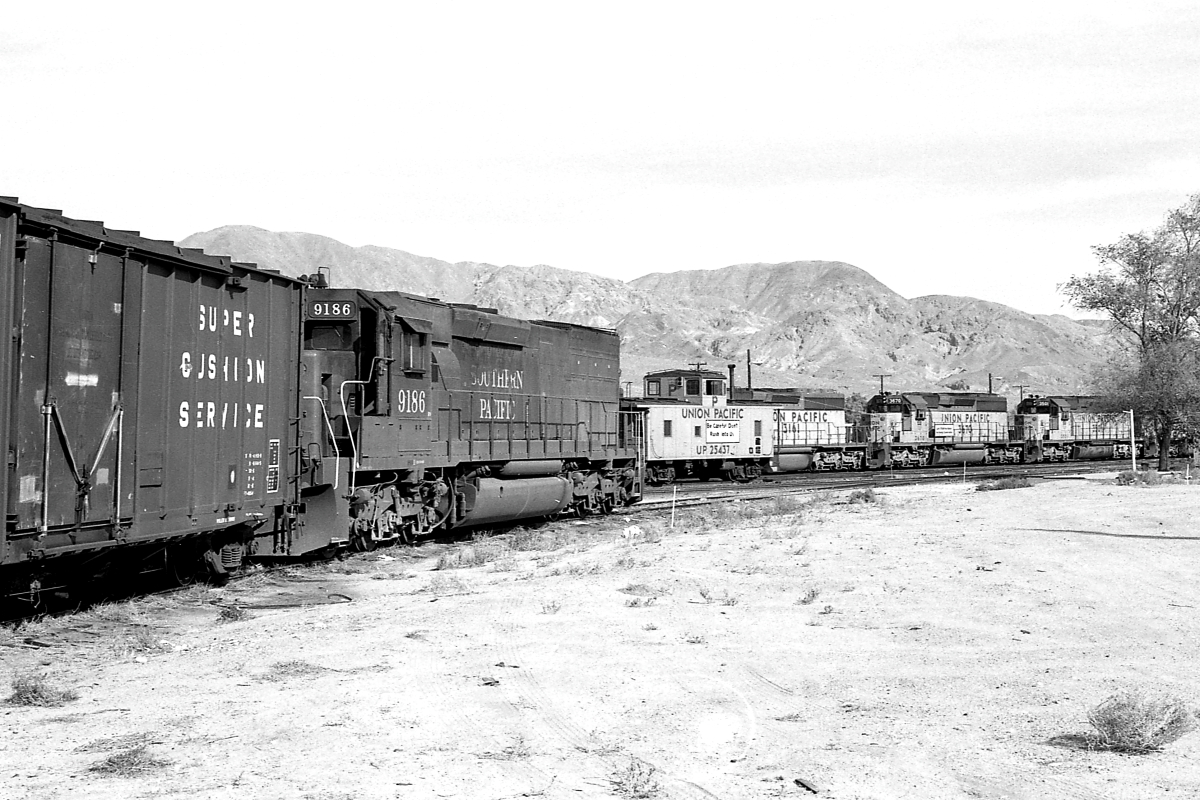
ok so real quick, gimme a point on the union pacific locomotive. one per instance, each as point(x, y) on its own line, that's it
point(687, 419)
point(164, 408)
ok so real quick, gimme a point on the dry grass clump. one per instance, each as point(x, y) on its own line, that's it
point(1011, 482)
point(862, 497)
point(233, 614)
point(517, 751)
point(127, 763)
point(1147, 477)
point(287, 670)
point(809, 597)
point(551, 607)
point(636, 781)
point(32, 689)
point(1139, 720)
point(127, 741)
point(142, 639)
point(446, 584)
point(475, 554)
point(640, 602)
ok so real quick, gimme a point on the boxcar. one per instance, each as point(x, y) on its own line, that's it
point(150, 390)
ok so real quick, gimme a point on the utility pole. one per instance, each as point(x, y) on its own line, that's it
point(1022, 387)
point(697, 364)
point(881, 376)
point(998, 377)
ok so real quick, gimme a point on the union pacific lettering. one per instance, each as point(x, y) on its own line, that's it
point(512, 380)
point(960, 417)
point(711, 412)
point(802, 416)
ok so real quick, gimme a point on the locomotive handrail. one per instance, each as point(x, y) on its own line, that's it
point(333, 439)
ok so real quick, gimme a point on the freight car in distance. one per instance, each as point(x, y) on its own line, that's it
point(169, 409)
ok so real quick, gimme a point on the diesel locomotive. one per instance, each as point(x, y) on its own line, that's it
point(169, 409)
point(687, 417)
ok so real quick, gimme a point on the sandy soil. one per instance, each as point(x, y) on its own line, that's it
point(953, 647)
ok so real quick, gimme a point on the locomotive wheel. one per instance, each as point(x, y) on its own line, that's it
point(362, 541)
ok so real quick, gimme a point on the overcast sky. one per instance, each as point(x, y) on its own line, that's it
point(944, 149)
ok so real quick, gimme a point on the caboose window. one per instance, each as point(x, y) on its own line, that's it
point(696, 431)
point(714, 387)
point(693, 386)
point(653, 388)
point(666, 429)
point(758, 427)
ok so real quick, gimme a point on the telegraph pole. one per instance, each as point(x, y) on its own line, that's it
point(1022, 387)
point(881, 376)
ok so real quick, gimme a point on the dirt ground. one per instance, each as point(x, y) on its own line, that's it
point(937, 643)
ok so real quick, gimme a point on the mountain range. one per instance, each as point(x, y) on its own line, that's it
point(815, 325)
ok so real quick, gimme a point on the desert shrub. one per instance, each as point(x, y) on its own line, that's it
point(636, 781)
point(809, 597)
point(862, 497)
point(32, 689)
point(473, 555)
point(1138, 720)
point(640, 602)
point(233, 614)
point(1147, 477)
point(134, 761)
point(1011, 482)
point(551, 607)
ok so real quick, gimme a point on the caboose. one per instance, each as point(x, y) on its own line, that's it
point(692, 430)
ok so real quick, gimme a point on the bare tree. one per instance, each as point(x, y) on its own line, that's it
point(1148, 285)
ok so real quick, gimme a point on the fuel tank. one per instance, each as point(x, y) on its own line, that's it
point(498, 500)
point(959, 454)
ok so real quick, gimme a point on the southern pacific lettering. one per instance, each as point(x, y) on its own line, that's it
point(509, 379)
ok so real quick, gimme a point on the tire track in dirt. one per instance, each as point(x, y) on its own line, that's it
point(532, 697)
point(456, 716)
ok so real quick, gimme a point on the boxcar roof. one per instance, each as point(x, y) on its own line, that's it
point(93, 233)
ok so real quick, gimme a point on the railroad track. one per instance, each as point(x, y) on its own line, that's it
point(683, 495)
point(693, 494)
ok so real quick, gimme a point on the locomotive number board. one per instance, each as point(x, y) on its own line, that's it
point(332, 309)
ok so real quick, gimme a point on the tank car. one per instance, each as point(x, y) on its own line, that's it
point(920, 429)
point(691, 429)
point(1061, 428)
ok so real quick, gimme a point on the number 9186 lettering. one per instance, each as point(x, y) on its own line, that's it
point(411, 401)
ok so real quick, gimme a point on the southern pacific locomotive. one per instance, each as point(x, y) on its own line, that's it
point(172, 408)
point(689, 430)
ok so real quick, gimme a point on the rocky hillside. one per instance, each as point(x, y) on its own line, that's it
point(810, 324)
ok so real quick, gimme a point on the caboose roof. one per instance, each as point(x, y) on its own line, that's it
point(687, 373)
